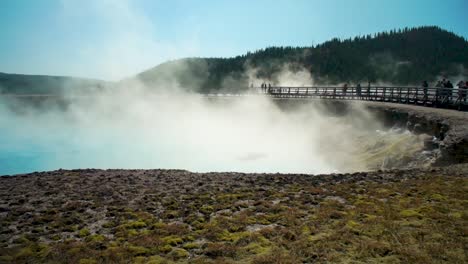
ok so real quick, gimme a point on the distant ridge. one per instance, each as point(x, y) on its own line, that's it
point(44, 84)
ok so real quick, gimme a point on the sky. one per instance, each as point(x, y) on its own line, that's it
point(115, 39)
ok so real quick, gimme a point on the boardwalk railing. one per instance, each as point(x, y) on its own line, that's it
point(439, 97)
point(453, 98)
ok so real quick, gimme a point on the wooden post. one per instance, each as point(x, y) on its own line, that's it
point(425, 95)
point(416, 96)
point(406, 91)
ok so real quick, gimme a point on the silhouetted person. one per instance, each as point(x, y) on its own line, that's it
point(269, 88)
point(448, 93)
point(448, 84)
point(358, 90)
point(345, 88)
point(465, 91)
point(425, 85)
point(462, 92)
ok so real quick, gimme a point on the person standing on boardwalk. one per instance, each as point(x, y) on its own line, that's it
point(449, 90)
point(425, 85)
point(448, 84)
point(462, 91)
point(465, 91)
point(358, 90)
point(345, 88)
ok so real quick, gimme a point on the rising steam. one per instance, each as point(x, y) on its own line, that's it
point(133, 127)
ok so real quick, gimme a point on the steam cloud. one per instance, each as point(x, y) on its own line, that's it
point(133, 127)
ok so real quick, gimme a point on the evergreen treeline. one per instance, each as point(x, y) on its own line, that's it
point(405, 56)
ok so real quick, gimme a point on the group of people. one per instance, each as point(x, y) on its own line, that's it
point(444, 83)
point(266, 87)
point(439, 93)
point(358, 89)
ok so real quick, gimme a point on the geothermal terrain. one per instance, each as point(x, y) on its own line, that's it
point(175, 216)
point(407, 215)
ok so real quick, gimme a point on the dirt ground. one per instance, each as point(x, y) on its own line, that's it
point(174, 216)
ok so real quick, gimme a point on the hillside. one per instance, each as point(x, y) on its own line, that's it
point(405, 56)
point(42, 84)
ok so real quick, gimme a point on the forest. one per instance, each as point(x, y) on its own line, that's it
point(401, 57)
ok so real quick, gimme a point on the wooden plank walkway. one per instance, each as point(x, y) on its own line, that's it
point(452, 98)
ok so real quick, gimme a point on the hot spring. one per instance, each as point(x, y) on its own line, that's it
point(248, 134)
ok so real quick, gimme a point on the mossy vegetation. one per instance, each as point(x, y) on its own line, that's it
point(419, 218)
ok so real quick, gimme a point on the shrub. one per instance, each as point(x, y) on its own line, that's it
point(83, 233)
point(178, 253)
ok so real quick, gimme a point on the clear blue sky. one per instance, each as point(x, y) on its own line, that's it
point(112, 39)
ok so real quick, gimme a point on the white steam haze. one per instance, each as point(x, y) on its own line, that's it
point(133, 126)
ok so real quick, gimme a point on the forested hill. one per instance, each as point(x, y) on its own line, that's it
point(43, 84)
point(406, 56)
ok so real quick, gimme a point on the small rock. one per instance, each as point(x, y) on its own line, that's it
point(336, 198)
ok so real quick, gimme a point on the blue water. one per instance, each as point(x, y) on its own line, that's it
point(19, 153)
point(33, 146)
point(249, 136)
point(145, 135)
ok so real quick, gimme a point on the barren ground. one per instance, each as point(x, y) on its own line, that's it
point(167, 216)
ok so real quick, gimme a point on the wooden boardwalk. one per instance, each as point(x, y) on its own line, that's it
point(452, 98)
